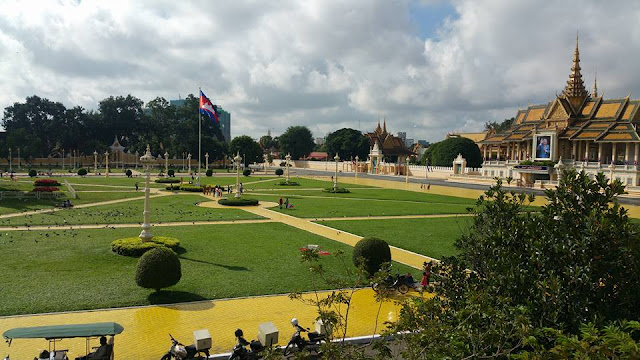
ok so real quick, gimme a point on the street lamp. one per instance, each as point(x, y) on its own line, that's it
point(95, 162)
point(206, 160)
point(357, 165)
point(146, 159)
point(19, 166)
point(288, 158)
point(237, 160)
point(335, 179)
point(106, 163)
point(166, 163)
point(63, 159)
point(264, 156)
point(189, 162)
point(137, 155)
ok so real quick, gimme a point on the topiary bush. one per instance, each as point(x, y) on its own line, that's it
point(279, 172)
point(171, 172)
point(336, 190)
point(82, 172)
point(246, 172)
point(371, 253)
point(238, 202)
point(167, 181)
point(32, 173)
point(158, 268)
point(190, 188)
point(209, 172)
point(288, 183)
point(128, 173)
point(134, 246)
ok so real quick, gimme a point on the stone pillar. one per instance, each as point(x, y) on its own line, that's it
point(600, 153)
point(106, 160)
point(627, 150)
point(147, 160)
point(574, 149)
point(206, 164)
point(484, 152)
point(518, 151)
point(635, 153)
point(613, 153)
point(586, 150)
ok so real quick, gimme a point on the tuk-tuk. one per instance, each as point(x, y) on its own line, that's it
point(56, 333)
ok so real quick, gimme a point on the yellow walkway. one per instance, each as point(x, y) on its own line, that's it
point(146, 334)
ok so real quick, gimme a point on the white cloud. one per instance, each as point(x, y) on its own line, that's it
point(326, 64)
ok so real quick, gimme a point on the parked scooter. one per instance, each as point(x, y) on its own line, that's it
point(178, 351)
point(389, 283)
point(300, 342)
point(240, 352)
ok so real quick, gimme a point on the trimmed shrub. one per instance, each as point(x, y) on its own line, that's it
point(238, 202)
point(167, 181)
point(337, 190)
point(172, 187)
point(371, 253)
point(171, 172)
point(191, 188)
point(32, 173)
point(82, 172)
point(246, 172)
point(209, 172)
point(279, 172)
point(134, 246)
point(46, 182)
point(288, 183)
point(158, 268)
point(128, 173)
point(46, 189)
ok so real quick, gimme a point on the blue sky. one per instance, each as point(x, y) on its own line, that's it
point(428, 17)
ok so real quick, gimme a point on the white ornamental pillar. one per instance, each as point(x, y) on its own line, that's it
point(287, 158)
point(95, 162)
point(166, 163)
point(106, 162)
point(627, 151)
point(189, 162)
point(206, 159)
point(357, 165)
point(600, 153)
point(613, 153)
point(237, 160)
point(635, 151)
point(146, 159)
point(335, 179)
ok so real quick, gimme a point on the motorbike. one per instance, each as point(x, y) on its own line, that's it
point(240, 352)
point(299, 342)
point(178, 351)
point(399, 284)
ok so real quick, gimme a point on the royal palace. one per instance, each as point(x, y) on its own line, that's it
point(577, 129)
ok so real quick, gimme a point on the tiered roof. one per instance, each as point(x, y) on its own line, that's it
point(389, 144)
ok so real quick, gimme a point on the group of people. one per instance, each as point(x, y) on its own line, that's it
point(425, 186)
point(286, 203)
point(424, 282)
point(217, 190)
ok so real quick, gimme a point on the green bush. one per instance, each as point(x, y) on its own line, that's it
point(32, 173)
point(246, 172)
point(190, 188)
point(442, 153)
point(158, 268)
point(209, 172)
point(279, 172)
point(171, 172)
point(134, 246)
point(238, 202)
point(288, 183)
point(371, 253)
point(538, 163)
point(167, 181)
point(337, 190)
point(128, 173)
point(172, 187)
point(82, 172)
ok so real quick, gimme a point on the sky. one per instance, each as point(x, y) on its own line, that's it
point(429, 67)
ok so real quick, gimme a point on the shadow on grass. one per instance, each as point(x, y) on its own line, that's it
point(228, 267)
point(167, 297)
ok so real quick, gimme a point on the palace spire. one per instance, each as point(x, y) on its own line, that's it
point(575, 91)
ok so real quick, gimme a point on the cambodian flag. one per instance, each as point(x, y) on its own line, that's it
point(207, 108)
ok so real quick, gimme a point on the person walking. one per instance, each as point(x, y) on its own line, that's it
point(136, 186)
point(286, 203)
point(280, 202)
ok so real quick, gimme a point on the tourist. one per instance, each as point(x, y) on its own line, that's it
point(136, 186)
point(286, 203)
point(241, 188)
point(428, 186)
point(280, 202)
point(104, 351)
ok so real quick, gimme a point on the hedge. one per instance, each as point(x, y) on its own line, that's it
point(32, 173)
point(246, 172)
point(337, 190)
point(279, 172)
point(46, 189)
point(171, 172)
point(371, 253)
point(46, 182)
point(185, 187)
point(167, 181)
point(209, 172)
point(82, 172)
point(158, 268)
point(134, 246)
point(238, 202)
point(288, 183)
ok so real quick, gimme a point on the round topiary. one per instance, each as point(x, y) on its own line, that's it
point(238, 202)
point(128, 173)
point(133, 246)
point(32, 173)
point(171, 172)
point(209, 172)
point(246, 172)
point(279, 172)
point(158, 268)
point(371, 253)
point(82, 172)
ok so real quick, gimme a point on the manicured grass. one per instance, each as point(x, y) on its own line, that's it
point(304, 183)
point(431, 237)
point(311, 207)
point(74, 270)
point(163, 209)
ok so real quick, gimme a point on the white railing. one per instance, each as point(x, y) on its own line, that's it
point(70, 189)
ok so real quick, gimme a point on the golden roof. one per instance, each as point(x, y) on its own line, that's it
point(608, 110)
point(598, 125)
point(628, 112)
point(588, 107)
point(617, 136)
point(535, 114)
point(589, 134)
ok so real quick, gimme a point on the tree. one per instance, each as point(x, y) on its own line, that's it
point(297, 141)
point(267, 142)
point(499, 127)
point(248, 148)
point(442, 153)
point(347, 143)
point(370, 253)
point(158, 268)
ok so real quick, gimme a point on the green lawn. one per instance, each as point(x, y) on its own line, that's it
point(431, 237)
point(312, 207)
point(74, 270)
point(163, 209)
point(304, 183)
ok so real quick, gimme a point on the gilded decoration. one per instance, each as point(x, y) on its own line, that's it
point(558, 113)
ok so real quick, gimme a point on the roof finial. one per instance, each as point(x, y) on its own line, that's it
point(384, 129)
point(595, 84)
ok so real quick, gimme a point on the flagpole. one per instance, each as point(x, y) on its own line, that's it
point(199, 133)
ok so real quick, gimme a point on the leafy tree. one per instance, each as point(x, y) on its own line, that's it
point(347, 143)
point(267, 142)
point(297, 141)
point(499, 127)
point(442, 153)
point(248, 148)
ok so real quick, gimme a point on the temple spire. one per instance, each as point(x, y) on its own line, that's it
point(384, 129)
point(575, 91)
point(595, 86)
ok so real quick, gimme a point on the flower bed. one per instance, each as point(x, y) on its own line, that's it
point(288, 183)
point(185, 187)
point(46, 182)
point(46, 189)
point(134, 246)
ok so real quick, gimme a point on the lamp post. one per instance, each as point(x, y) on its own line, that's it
point(406, 171)
point(206, 162)
point(189, 162)
point(74, 159)
point(146, 159)
point(95, 162)
point(106, 163)
point(166, 163)
point(335, 179)
point(288, 157)
point(237, 160)
point(10, 162)
point(264, 156)
point(357, 166)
